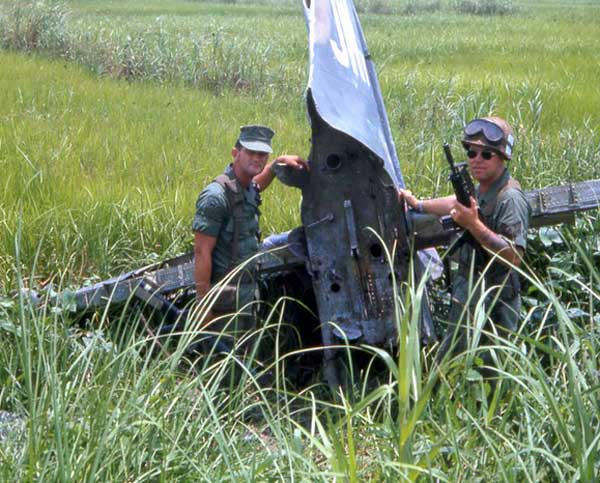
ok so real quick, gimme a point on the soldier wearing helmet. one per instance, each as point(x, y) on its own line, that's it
point(498, 220)
point(491, 132)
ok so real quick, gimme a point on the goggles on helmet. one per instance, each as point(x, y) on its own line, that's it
point(492, 132)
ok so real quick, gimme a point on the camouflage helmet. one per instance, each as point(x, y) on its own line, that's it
point(491, 132)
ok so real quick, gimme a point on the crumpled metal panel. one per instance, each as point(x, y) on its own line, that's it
point(558, 204)
point(352, 219)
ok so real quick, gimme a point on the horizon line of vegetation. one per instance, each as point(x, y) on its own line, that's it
point(210, 60)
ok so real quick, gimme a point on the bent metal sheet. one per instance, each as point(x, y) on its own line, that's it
point(343, 82)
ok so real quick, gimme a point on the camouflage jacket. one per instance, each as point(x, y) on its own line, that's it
point(215, 217)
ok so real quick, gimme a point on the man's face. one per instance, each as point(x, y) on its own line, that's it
point(249, 162)
point(486, 165)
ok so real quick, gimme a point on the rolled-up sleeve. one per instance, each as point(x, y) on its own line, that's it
point(211, 210)
point(513, 216)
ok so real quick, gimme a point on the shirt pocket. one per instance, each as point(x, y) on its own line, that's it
point(251, 219)
point(228, 230)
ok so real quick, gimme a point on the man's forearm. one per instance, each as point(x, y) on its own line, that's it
point(293, 161)
point(439, 206)
point(495, 243)
point(202, 273)
point(265, 177)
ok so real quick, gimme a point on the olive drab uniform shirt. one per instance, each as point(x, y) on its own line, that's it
point(507, 212)
point(215, 217)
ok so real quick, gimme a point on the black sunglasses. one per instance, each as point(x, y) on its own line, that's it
point(492, 132)
point(487, 155)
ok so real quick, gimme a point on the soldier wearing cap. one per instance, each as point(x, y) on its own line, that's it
point(226, 223)
point(498, 220)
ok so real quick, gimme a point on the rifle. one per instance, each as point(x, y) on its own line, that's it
point(460, 179)
point(463, 189)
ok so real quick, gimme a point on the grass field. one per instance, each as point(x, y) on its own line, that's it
point(114, 114)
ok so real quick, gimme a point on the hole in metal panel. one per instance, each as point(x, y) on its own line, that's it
point(376, 250)
point(335, 287)
point(333, 162)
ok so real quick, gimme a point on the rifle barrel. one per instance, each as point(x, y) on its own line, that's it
point(449, 157)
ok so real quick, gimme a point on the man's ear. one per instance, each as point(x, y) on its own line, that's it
point(234, 152)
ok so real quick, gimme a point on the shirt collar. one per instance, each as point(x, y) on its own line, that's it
point(495, 188)
point(230, 172)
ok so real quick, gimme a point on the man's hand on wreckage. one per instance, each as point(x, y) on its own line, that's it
point(292, 161)
point(465, 216)
point(406, 195)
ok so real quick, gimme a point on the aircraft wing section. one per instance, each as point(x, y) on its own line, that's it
point(342, 80)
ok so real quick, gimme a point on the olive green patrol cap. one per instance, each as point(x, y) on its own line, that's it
point(256, 138)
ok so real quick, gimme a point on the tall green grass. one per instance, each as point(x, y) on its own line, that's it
point(187, 45)
point(134, 407)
